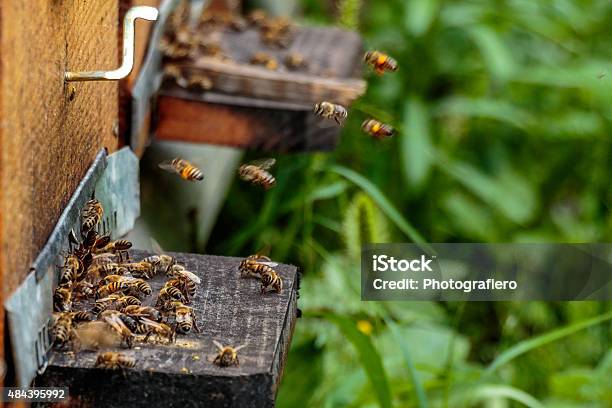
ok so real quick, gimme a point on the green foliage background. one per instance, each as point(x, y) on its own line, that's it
point(504, 112)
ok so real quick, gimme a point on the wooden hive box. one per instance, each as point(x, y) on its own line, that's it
point(230, 310)
point(250, 106)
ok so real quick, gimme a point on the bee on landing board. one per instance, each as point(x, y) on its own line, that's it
point(295, 61)
point(380, 62)
point(112, 361)
point(255, 265)
point(227, 355)
point(376, 129)
point(270, 280)
point(183, 168)
point(257, 173)
point(330, 110)
point(265, 60)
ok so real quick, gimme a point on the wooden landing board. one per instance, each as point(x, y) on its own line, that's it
point(253, 107)
point(230, 310)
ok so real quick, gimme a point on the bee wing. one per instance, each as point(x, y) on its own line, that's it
point(117, 323)
point(240, 347)
point(270, 264)
point(264, 164)
point(190, 275)
point(150, 322)
point(168, 166)
point(218, 345)
point(156, 247)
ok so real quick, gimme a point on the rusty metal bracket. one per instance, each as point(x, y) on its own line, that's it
point(114, 179)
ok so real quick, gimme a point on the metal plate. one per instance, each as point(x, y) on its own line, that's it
point(115, 182)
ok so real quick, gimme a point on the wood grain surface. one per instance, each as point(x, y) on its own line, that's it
point(230, 310)
point(50, 131)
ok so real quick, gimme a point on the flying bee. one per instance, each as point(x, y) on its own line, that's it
point(265, 59)
point(377, 129)
point(62, 299)
point(110, 288)
point(254, 265)
point(91, 215)
point(227, 355)
point(62, 329)
point(330, 110)
point(184, 318)
point(142, 269)
point(257, 173)
point(149, 327)
point(183, 168)
point(295, 61)
point(271, 280)
point(380, 62)
point(136, 311)
point(112, 360)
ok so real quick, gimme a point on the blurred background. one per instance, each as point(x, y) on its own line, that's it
point(503, 111)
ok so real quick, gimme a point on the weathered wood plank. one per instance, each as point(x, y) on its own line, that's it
point(230, 310)
point(50, 131)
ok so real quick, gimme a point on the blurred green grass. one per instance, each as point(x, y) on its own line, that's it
point(504, 112)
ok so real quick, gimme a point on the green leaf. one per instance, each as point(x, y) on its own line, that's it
point(539, 341)
point(492, 392)
point(368, 355)
point(498, 58)
point(485, 108)
point(363, 224)
point(404, 348)
point(303, 373)
point(383, 202)
point(419, 15)
point(416, 150)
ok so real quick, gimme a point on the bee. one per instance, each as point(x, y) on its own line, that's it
point(377, 129)
point(236, 23)
point(186, 286)
point(199, 82)
point(257, 17)
point(121, 324)
point(62, 299)
point(169, 293)
point(91, 215)
point(110, 288)
point(142, 269)
point(184, 318)
point(99, 270)
point(136, 311)
point(148, 327)
point(96, 335)
point(380, 62)
point(139, 287)
point(257, 173)
point(227, 355)
point(271, 280)
point(295, 61)
point(330, 110)
point(62, 329)
point(183, 168)
point(277, 32)
point(119, 246)
point(114, 301)
point(112, 360)
point(71, 271)
point(264, 59)
point(254, 265)
point(160, 261)
point(82, 316)
point(83, 290)
point(173, 72)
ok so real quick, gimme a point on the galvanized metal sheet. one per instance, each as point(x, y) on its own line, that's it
point(114, 179)
point(150, 75)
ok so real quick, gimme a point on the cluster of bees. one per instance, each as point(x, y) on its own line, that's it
point(99, 301)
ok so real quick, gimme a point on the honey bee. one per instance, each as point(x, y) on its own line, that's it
point(236, 23)
point(173, 72)
point(295, 61)
point(112, 360)
point(99, 270)
point(277, 32)
point(149, 327)
point(161, 262)
point(110, 288)
point(169, 293)
point(380, 62)
point(199, 82)
point(82, 316)
point(71, 271)
point(62, 299)
point(184, 318)
point(271, 280)
point(254, 265)
point(330, 110)
point(136, 311)
point(257, 17)
point(91, 215)
point(62, 329)
point(142, 269)
point(119, 246)
point(186, 286)
point(121, 324)
point(264, 59)
point(377, 129)
point(102, 304)
point(136, 286)
point(179, 272)
point(183, 168)
point(83, 290)
point(257, 173)
point(96, 335)
point(227, 355)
